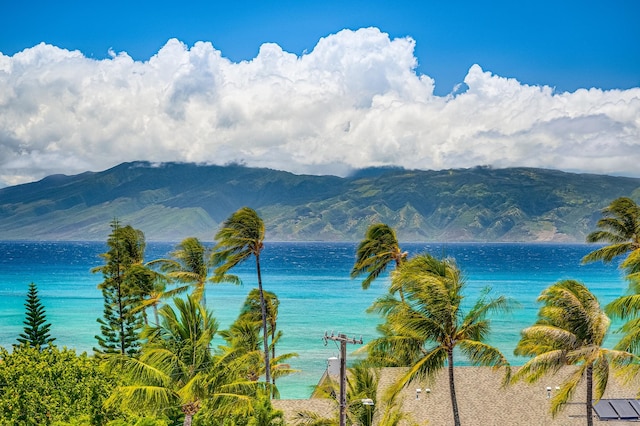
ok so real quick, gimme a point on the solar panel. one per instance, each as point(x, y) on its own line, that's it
point(624, 409)
point(618, 409)
point(605, 411)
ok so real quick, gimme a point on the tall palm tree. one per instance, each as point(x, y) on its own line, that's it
point(432, 313)
point(619, 226)
point(252, 310)
point(188, 265)
point(570, 330)
point(375, 252)
point(627, 307)
point(176, 367)
point(364, 405)
point(243, 354)
point(240, 237)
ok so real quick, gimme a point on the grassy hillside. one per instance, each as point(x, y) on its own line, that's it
point(172, 201)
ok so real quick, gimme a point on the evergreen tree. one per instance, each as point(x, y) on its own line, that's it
point(122, 322)
point(36, 330)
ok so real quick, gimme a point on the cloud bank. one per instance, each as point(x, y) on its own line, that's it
point(355, 101)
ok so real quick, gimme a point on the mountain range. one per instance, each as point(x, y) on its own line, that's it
point(172, 201)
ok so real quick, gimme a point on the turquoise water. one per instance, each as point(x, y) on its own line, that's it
point(313, 285)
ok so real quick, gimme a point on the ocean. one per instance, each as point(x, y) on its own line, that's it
point(312, 283)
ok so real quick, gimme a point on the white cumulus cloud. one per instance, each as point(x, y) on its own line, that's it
point(354, 101)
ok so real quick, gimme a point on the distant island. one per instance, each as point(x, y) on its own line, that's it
point(171, 201)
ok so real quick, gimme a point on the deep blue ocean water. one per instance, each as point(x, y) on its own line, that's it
point(312, 283)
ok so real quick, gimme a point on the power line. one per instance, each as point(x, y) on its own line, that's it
point(343, 339)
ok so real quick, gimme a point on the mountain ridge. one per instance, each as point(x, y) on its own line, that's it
point(171, 201)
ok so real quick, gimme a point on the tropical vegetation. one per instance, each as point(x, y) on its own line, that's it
point(36, 328)
point(182, 368)
point(41, 386)
point(125, 283)
point(433, 315)
point(240, 237)
point(570, 330)
point(176, 369)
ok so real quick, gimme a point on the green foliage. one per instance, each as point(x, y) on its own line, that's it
point(174, 200)
point(570, 330)
point(364, 404)
point(431, 322)
point(620, 227)
point(379, 248)
point(262, 413)
point(36, 330)
point(52, 385)
point(240, 237)
point(188, 266)
point(143, 421)
point(125, 283)
point(175, 369)
point(243, 340)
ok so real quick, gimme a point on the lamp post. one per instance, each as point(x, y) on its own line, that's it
point(368, 402)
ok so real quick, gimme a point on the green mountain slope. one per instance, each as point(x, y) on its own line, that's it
point(173, 200)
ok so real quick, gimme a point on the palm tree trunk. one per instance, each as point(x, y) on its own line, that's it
point(204, 294)
point(265, 335)
point(273, 350)
point(155, 314)
point(452, 389)
point(398, 267)
point(187, 420)
point(590, 395)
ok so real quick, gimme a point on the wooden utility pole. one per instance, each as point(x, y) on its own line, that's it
point(343, 339)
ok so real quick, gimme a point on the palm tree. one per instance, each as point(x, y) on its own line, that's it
point(619, 226)
point(252, 310)
point(240, 237)
point(363, 403)
point(176, 367)
point(378, 249)
point(243, 354)
point(570, 330)
point(188, 265)
point(432, 314)
point(627, 307)
point(153, 298)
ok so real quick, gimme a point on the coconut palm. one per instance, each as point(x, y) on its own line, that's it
point(252, 310)
point(364, 405)
point(243, 338)
point(432, 313)
point(176, 367)
point(619, 226)
point(378, 249)
point(240, 237)
point(627, 307)
point(570, 330)
point(187, 265)
point(243, 354)
point(153, 298)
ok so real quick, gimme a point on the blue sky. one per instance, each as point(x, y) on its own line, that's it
point(563, 44)
point(323, 87)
